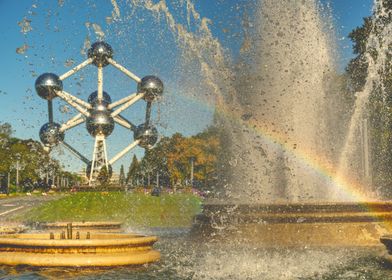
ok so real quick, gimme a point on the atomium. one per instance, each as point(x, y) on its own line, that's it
point(50, 134)
point(47, 85)
point(99, 112)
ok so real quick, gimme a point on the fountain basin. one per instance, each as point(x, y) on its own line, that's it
point(308, 224)
point(91, 249)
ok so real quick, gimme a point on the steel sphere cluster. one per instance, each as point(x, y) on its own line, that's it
point(50, 134)
point(47, 85)
point(98, 113)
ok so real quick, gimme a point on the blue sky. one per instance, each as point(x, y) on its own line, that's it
point(56, 39)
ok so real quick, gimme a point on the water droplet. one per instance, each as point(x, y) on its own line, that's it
point(25, 25)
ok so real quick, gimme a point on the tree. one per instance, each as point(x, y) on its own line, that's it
point(375, 30)
point(170, 158)
point(103, 176)
point(133, 171)
point(122, 176)
point(6, 130)
point(28, 160)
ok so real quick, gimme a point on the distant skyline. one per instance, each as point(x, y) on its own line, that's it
point(54, 44)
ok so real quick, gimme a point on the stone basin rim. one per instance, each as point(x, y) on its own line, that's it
point(79, 260)
point(96, 240)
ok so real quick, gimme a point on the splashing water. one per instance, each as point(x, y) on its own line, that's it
point(25, 26)
point(283, 95)
point(379, 37)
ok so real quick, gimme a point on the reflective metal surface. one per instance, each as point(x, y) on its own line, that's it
point(50, 134)
point(100, 122)
point(151, 86)
point(93, 98)
point(99, 105)
point(47, 84)
point(100, 52)
point(147, 135)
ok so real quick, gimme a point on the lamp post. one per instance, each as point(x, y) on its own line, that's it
point(17, 174)
point(8, 183)
point(192, 161)
point(18, 167)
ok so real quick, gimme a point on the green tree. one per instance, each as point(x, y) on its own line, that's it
point(28, 157)
point(122, 176)
point(6, 130)
point(133, 171)
point(103, 176)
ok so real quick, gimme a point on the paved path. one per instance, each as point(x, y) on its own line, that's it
point(18, 205)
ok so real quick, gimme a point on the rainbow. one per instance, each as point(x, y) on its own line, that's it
point(350, 188)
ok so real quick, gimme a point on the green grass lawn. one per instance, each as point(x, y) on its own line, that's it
point(134, 209)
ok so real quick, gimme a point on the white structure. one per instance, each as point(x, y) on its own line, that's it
point(99, 112)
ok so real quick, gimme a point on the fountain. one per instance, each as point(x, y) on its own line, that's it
point(81, 249)
point(294, 180)
point(284, 184)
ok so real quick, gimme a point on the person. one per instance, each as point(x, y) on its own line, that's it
point(156, 191)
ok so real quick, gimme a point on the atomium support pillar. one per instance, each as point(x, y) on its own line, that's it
point(100, 158)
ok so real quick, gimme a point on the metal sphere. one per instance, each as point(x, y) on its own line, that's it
point(47, 85)
point(100, 52)
point(100, 122)
point(147, 135)
point(151, 86)
point(50, 134)
point(88, 170)
point(99, 105)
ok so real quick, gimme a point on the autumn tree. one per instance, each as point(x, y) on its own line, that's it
point(171, 157)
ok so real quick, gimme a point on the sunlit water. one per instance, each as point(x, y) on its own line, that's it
point(183, 257)
point(285, 95)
